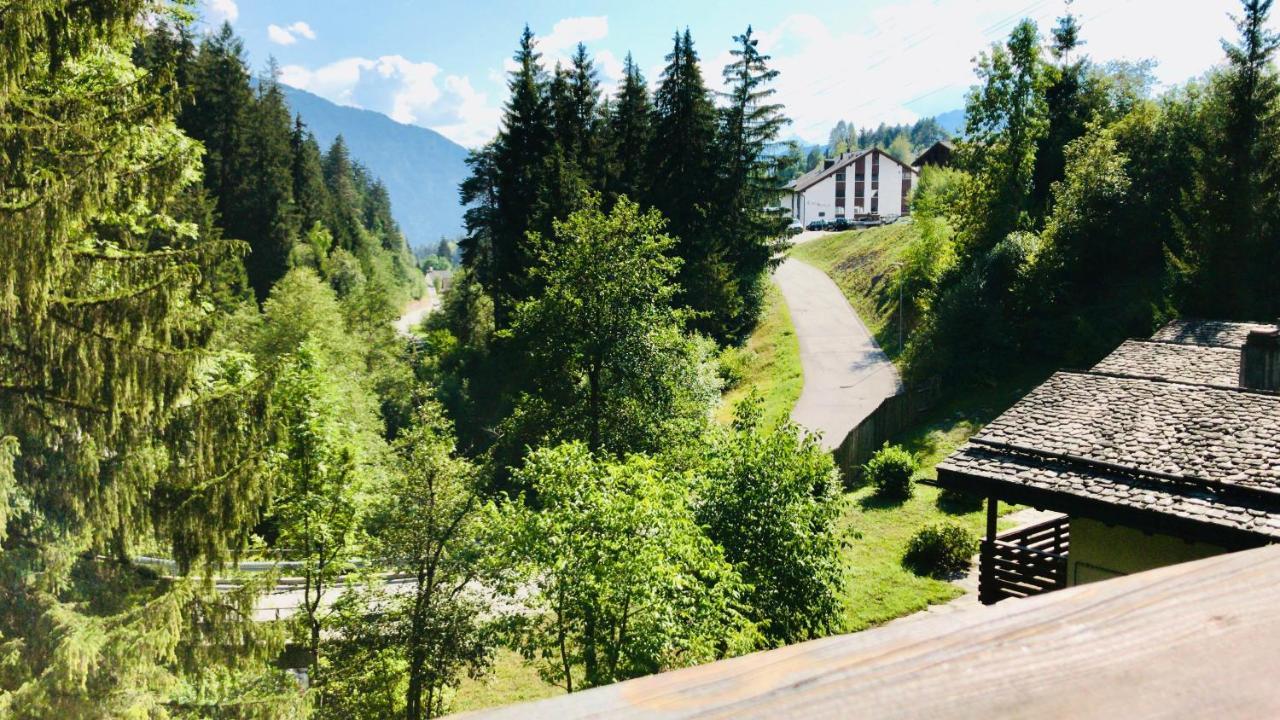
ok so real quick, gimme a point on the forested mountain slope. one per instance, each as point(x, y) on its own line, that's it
point(421, 168)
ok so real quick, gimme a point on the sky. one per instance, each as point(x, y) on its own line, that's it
point(443, 65)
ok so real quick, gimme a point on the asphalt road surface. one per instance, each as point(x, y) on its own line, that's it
point(846, 374)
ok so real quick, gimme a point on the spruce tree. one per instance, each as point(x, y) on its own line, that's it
point(309, 191)
point(479, 194)
point(339, 177)
point(119, 429)
point(681, 167)
point(219, 117)
point(748, 183)
point(520, 155)
point(267, 210)
point(1067, 111)
point(1231, 248)
point(630, 133)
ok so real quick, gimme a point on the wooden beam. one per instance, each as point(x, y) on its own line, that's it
point(993, 515)
point(1198, 639)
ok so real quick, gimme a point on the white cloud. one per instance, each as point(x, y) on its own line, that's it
point(416, 93)
point(218, 11)
point(289, 35)
point(918, 54)
point(562, 42)
point(567, 33)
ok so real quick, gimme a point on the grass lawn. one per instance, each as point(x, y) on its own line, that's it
point(878, 588)
point(861, 264)
point(512, 681)
point(771, 364)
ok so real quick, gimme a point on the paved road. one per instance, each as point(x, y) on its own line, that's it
point(414, 312)
point(846, 374)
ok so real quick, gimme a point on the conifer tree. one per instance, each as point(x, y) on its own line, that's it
point(479, 194)
point(680, 169)
point(119, 429)
point(339, 177)
point(1066, 109)
point(267, 211)
point(1232, 256)
point(309, 191)
point(520, 152)
point(630, 133)
point(747, 184)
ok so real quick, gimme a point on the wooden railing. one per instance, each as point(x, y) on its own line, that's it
point(1025, 562)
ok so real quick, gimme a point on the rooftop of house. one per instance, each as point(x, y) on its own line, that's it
point(816, 175)
point(941, 147)
point(1159, 431)
point(1216, 333)
point(1180, 362)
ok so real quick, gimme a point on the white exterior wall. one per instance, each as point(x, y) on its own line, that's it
point(819, 200)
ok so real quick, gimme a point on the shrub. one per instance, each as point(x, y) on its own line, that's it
point(940, 550)
point(958, 502)
point(889, 471)
point(733, 366)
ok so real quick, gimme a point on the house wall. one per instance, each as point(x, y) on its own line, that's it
point(1100, 551)
point(819, 200)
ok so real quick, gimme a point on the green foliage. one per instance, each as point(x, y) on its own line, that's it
point(1005, 120)
point(891, 471)
point(940, 550)
point(626, 581)
point(1228, 255)
point(119, 427)
point(425, 521)
point(317, 514)
point(609, 363)
point(709, 171)
point(770, 498)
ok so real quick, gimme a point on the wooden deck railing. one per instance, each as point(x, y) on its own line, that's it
point(1025, 562)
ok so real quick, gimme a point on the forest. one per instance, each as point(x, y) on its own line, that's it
point(1083, 209)
point(199, 366)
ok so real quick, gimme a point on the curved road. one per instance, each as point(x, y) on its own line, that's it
point(846, 374)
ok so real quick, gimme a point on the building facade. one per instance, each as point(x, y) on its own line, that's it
point(854, 185)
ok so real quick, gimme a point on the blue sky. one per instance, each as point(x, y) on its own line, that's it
point(442, 64)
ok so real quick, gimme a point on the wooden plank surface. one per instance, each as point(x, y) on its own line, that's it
point(1199, 639)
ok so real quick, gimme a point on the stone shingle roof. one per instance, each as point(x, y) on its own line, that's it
point(1203, 432)
point(1190, 500)
point(1207, 332)
point(1174, 361)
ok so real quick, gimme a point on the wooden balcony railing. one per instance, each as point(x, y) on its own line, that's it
point(1025, 562)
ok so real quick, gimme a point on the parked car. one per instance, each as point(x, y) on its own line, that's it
point(841, 223)
point(818, 224)
point(795, 228)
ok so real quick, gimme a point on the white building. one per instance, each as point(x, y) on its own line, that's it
point(866, 182)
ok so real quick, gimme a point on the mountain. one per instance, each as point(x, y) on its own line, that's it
point(421, 168)
point(952, 121)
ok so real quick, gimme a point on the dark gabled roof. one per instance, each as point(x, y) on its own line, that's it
point(1200, 453)
point(1176, 429)
point(1179, 362)
point(941, 147)
point(1158, 431)
point(1216, 333)
point(818, 174)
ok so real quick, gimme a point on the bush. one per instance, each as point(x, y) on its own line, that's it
point(889, 471)
point(958, 502)
point(734, 364)
point(940, 550)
